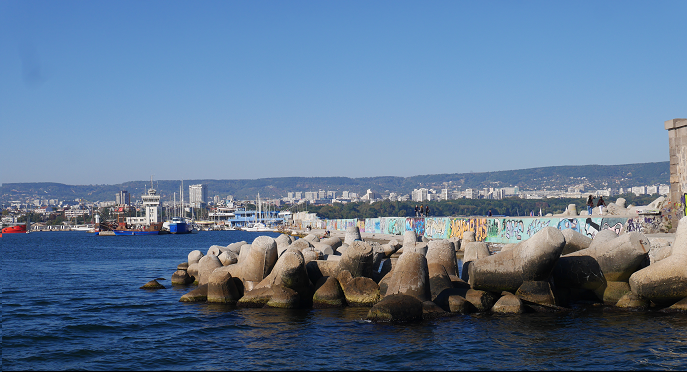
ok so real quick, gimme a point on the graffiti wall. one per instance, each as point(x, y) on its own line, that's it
point(496, 230)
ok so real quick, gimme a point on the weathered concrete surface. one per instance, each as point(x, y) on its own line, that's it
point(410, 277)
point(575, 241)
point(604, 266)
point(618, 258)
point(194, 256)
point(665, 281)
point(397, 307)
point(361, 291)
point(536, 291)
point(290, 272)
point(475, 250)
point(221, 288)
point(200, 294)
point(531, 260)
point(330, 294)
point(508, 304)
point(283, 298)
point(255, 261)
point(206, 266)
point(352, 234)
point(358, 259)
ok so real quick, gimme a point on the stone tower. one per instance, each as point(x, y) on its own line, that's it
point(677, 142)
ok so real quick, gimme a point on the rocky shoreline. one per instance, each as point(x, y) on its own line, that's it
point(414, 279)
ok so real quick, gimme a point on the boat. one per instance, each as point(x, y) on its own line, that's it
point(258, 226)
point(15, 229)
point(86, 228)
point(178, 225)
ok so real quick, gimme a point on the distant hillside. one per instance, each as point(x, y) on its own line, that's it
point(560, 177)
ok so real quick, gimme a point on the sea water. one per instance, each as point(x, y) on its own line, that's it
point(71, 300)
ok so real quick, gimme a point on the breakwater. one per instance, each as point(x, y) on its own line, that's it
point(490, 229)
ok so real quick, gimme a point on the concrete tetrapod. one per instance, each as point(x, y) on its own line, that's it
point(397, 307)
point(409, 237)
point(665, 282)
point(352, 234)
point(255, 261)
point(181, 276)
point(206, 266)
point(358, 259)
point(221, 288)
point(330, 294)
point(603, 267)
point(410, 277)
point(194, 256)
point(531, 260)
point(442, 252)
point(290, 272)
point(575, 241)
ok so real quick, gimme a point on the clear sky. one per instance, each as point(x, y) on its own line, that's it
point(104, 92)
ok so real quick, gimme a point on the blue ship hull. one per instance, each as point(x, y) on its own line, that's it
point(179, 228)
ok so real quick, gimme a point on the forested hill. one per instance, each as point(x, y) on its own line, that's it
point(560, 177)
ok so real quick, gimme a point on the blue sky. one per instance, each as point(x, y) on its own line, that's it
point(104, 92)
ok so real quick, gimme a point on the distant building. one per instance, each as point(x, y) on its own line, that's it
point(371, 195)
point(444, 194)
point(470, 194)
point(420, 195)
point(639, 190)
point(198, 195)
point(123, 198)
point(664, 189)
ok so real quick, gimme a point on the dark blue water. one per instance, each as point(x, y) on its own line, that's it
point(71, 300)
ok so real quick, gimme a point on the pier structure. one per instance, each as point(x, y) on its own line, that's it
point(677, 144)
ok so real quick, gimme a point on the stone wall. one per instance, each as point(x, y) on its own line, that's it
point(677, 144)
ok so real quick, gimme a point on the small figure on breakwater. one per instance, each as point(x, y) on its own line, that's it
point(590, 205)
point(601, 204)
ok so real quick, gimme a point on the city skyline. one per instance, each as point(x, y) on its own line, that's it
point(104, 92)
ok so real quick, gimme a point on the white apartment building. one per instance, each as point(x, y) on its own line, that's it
point(198, 195)
point(420, 195)
point(639, 190)
point(471, 194)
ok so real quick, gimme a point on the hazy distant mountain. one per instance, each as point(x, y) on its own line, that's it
point(560, 177)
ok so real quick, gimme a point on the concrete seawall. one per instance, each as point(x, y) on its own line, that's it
point(490, 229)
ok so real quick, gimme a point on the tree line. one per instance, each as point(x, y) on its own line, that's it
point(464, 207)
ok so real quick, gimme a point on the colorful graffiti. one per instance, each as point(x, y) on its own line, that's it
point(437, 227)
point(416, 224)
point(495, 230)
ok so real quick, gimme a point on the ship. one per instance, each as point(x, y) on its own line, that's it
point(16, 229)
point(178, 225)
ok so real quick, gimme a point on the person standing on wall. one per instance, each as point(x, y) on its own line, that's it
point(422, 210)
point(601, 204)
point(590, 205)
point(489, 213)
point(416, 212)
point(427, 211)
